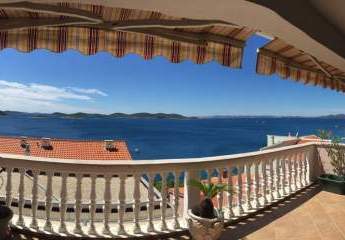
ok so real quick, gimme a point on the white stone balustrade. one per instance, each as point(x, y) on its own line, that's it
point(127, 198)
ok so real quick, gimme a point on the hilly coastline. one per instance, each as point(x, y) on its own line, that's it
point(145, 115)
point(80, 115)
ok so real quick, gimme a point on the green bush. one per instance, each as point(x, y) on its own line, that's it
point(335, 151)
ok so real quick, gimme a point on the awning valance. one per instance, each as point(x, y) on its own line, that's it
point(289, 62)
point(27, 26)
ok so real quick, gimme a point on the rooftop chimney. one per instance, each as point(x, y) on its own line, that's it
point(23, 141)
point(25, 145)
point(46, 143)
point(109, 145)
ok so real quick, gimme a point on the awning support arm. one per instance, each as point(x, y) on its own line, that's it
point(198, 38)
point(317, 63)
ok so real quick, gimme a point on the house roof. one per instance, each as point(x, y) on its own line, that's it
point(65, 148)
point(310, 138)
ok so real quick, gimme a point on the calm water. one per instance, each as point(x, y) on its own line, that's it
point(157, 139)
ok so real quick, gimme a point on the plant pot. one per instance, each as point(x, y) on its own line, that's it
point(333, 183)
point(205, 228)
point(6, 215)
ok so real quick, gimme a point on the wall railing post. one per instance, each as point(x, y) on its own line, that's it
point(191, 194)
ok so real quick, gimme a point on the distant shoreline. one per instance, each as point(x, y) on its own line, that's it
point(81, 115)
point(145, 115)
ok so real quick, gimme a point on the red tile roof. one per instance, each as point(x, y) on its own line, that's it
point(66, 149)
point(309, 138)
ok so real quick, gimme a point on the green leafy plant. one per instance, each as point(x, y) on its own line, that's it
point(335, 151)
point(209, 190)
point(324, 134)
point(206, 208)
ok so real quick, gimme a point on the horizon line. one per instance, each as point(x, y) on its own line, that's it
point(185, 115)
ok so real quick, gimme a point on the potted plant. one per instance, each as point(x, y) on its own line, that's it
point(6, 215)
point(204, 221)
point(334, 182)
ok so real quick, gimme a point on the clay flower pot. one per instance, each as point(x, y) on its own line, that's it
point(205, 228)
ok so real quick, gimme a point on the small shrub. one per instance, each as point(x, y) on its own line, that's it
point(335, 151)
point(206, 209)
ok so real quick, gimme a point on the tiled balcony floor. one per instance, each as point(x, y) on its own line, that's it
point(310, 215)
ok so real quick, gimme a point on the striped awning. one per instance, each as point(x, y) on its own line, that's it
point(289, 62)
point(27, 26)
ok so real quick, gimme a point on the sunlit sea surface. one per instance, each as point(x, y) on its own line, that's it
point(161, 138)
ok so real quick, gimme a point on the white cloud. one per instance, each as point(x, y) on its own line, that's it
point(89, 91)
point(35, 97)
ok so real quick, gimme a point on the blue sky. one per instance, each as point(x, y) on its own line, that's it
point(70, 82)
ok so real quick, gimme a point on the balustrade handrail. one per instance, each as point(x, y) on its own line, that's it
point(103, 190)
point(132, 166)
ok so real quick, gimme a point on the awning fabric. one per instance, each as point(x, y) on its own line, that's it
point(27, 26)
point(277, 57)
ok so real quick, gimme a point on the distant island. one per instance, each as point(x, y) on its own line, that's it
point(334, 116)
point(145, 115)
point(81, 115)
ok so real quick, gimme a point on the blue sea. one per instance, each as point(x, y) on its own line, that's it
point(163, 139)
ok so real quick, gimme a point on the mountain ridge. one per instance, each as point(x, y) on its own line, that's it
point(146, 115)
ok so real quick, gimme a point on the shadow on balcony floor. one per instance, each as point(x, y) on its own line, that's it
point(310, 214)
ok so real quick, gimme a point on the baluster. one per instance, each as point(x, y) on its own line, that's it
point(48, 224)
point(122, 203)
point(257, 185)
point(230, 193)
point(78, 197)
point(176, 199)
point(271, 180)
point(306, 169)
point(240, 193)
point(248, 185)
point(63, 206)
point(295, 171)
point(301, 168)
point(92, 229)
point(220, 195)
point(20, 221)
point(34, 199)
point(136, 197)
point(284, 175)
point(9, 187)
point(164, 202)
point(107, 204)
point(278, 176)
point(150, 227)
point(290, 163)
point(264, 182)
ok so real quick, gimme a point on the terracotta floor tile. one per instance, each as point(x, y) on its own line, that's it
point(266, 233)
point(339, 221)
point(320, 217)
point(332, 235)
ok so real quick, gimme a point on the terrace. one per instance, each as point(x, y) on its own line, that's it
point(97, 202)
point(275, 190)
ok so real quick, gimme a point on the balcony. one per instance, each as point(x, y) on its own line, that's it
point(122, 199)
